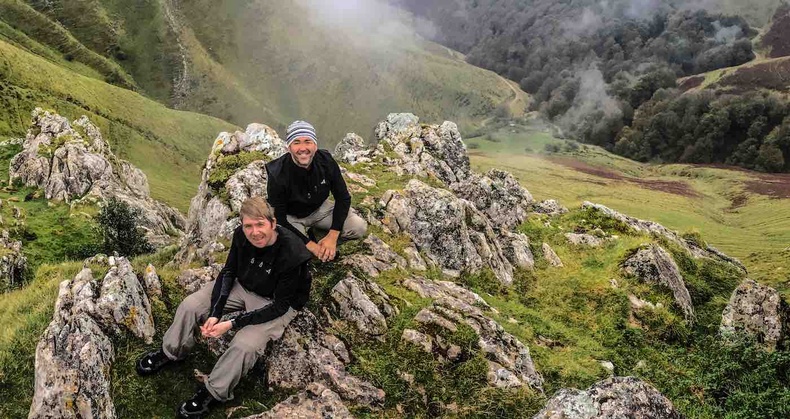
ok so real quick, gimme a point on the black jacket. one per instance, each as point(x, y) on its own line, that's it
point(296, 191)
point(280, 271)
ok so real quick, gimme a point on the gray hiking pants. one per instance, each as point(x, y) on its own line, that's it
point(245, 348)
point(353, 228)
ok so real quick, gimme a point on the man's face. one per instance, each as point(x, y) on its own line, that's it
point(302, 150)
point(259, 231)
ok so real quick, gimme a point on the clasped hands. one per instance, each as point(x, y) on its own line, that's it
point(326, 248)
point(213, 328)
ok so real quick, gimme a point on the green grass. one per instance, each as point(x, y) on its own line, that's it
point(169, 146)
point(714, 202)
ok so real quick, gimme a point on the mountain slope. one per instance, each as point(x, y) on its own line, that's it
point(167, 145)
point(242, 61)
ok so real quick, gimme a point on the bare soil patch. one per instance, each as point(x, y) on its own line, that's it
point(668, 186)
point(774, 185)
point(690, 82)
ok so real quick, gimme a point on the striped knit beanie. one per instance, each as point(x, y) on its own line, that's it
point(300, 129)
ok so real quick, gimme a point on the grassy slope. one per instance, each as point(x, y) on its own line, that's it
point(247, 62)
point(757, 230)
point(169, 146)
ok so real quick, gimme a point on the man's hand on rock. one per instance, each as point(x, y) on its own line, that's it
point(329, 246)
point(315, 249)
point(208, 326)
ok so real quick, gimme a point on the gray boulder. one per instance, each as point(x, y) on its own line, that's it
point(213, 210)
point(615, 397)
point(450, 232)
point(549, 207)
point(498, 195)
point(551, 256)
point(75, 354)
point(352, 150)
point(452, 305)
point(654, 228)
point(757, 311)
point(422, 150)
point(364, 304)
point(655, 265)
point(13, 262)
point(72, 162)
point(583, 239)
point(315, 401)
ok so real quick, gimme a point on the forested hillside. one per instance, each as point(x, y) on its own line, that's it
point(593, 66)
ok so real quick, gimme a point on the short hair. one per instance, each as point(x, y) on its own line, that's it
point(256, 207)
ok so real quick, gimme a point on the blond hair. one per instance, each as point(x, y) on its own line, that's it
point(256, 207)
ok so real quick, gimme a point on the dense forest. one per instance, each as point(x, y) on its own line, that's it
point(593, 69)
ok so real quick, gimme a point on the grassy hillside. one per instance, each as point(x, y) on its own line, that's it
point(742, 213)
point(247, 61)
point(169, 146)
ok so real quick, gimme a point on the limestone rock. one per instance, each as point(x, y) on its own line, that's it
point(13, 262)
point(212, 211)
point(756, 310)
point(456, 304)
point(73, 162)
point(303, 356)
point(657, 229)
point(422, 150)
point(352, 149)
point(414, 259)
point(123, 301)
point(583, 239)
point(75, 354)
point(550, 256)
point(355, 300)
point(549, 207)
point(450, 232)
point(152, 284)
point(379, 257)
point(192, 279)
point(516, 250)
point(501, 377)
point(315, 401)
point(615, 397)
point(421, 340)
point(655, 266)
point(498, 195)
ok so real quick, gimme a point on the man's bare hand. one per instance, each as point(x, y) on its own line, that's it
point(316, 249)
point(329, 245)
point(220, 329)
point(208, 326)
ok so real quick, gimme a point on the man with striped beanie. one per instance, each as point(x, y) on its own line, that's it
point(299, 184)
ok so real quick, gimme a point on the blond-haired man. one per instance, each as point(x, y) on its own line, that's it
point(267, 276)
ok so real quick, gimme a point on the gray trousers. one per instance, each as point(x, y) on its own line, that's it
point(353, 228)
point(246, 346)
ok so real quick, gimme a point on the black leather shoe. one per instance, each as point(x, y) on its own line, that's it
point(197, 406)
point(152, 362)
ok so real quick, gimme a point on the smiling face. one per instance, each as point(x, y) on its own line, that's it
point(259, 231)
point(302, 151)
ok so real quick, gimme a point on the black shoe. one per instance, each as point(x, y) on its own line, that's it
point(197, 406)
point(152, 362)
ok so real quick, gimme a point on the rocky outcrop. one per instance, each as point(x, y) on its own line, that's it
point(234, 171)
point(654, 265)
point(450, 232)
point(151, 280)
point(315, 401)
point(549, 207)
point(363, 303)
point(306, 354)
point(498, 195)
point(756, 311)
point(615, 397)
point(74, 355)
point(13, 262)
point(509, 359)
point(72, 161)
point(551, 256)
point(379, 257)
point(656, 229)
point(192, 279)
point(583, 239)
point(352, 150)
point(422, 150)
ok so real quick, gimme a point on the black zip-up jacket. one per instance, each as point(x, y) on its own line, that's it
point(280, 272)
point(296, 191)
